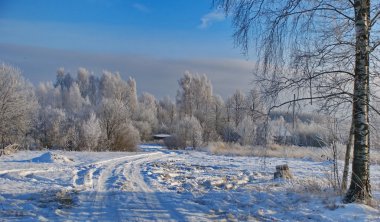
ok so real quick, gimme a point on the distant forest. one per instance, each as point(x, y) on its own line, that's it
point(104, 113)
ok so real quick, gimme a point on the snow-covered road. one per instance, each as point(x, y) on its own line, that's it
point(161, 185)
point(115, 190)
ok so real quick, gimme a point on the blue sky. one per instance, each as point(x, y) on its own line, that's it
point(168, 28)
point(39, 36)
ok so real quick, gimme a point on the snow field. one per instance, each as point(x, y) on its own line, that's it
point(162, 185)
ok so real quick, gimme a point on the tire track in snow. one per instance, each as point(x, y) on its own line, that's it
point(143, 202)
point(107, 195)
point(83, 175)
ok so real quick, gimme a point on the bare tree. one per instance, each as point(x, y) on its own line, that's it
point(319, 50)
point(236, 104)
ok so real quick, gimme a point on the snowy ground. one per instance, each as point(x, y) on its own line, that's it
point(160, 185)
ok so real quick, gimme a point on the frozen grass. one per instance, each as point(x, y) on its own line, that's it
point(274, 150)
point(283, 151)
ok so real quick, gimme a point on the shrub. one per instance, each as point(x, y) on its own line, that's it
point(126, 139)
point(230, 135)
point(173, 142)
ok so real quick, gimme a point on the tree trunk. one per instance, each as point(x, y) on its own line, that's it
point(347, 157)
point(360, 189)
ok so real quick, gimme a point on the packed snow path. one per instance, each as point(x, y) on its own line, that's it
point(115, 190)
point(162, 185)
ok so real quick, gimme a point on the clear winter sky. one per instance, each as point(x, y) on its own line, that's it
point(154, 41)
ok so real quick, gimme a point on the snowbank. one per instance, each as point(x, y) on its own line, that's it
point(52, 158)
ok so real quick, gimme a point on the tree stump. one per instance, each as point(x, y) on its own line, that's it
point(282, 171)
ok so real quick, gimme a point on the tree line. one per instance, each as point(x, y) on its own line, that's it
point(104, 113)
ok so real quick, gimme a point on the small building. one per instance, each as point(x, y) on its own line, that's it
point(161, 136)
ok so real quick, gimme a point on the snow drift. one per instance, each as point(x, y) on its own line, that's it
point(49, 157)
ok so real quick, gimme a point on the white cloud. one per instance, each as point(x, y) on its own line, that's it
point(212, 17)
point(141, 7)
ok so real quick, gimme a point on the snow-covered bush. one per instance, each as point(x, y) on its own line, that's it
point(126, 138)
point(173, 142)
point(230, 134)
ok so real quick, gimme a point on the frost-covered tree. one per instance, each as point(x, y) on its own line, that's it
point(188, 133)
point(166, 114)
point(218, 114)
point(254, 106)
point(71, 137)
point(236, 106)
point(132, 95)
point(63, 80)
point(48, 95)
point(112, 86)
point(94, 93)
point(113, 115)
point(73, 102)
point(279, 131)
point(91, 133)
point(185, 95)
point(194, 98)
point(50, 126)
point(83, 81)
point(247, 131)
point(194, 95)
point(145, 120)
point(327, 50)
point(65, 119)
point(18, 105)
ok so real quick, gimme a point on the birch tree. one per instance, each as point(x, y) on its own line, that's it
point(322, 51)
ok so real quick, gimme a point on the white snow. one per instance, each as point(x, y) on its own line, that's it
point(162, 185)
point(49, 157)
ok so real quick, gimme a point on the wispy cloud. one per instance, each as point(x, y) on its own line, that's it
point(141, 7)
point(212, 17)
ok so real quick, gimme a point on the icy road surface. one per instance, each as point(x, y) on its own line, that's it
point(160, 185)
